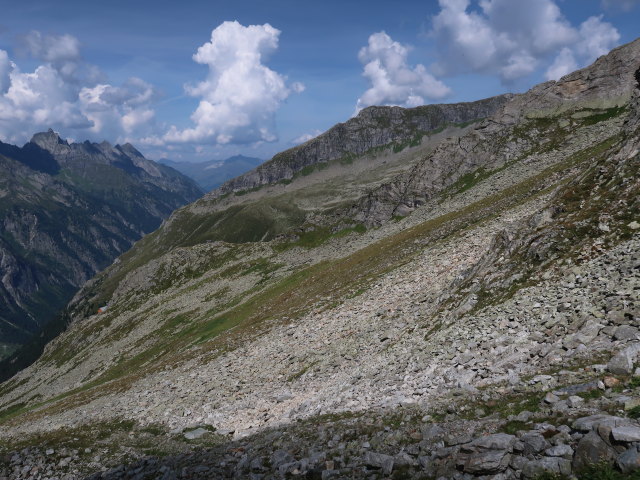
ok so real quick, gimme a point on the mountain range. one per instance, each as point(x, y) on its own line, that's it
point(447, 291)
point(67, 210)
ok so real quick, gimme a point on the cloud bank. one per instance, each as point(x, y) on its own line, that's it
point(67, 93)
point(393, 81)
point(513, 38)
point(240, 96)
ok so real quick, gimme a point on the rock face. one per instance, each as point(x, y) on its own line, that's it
point(607, 84)
point(66, 212)
point(372, 127)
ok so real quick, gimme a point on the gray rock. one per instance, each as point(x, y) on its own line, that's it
point(533, 443)
point(592, 449)
point(484, 462)
point(379, 461)
point(629, 460)
point(458, 438)
point(197, 433)
point(328, 474)
point(621, 364)
point(592, 422)
point(556, 465)
point(550, 398)
point(575, 401)
point(564, 451)
point(497, 441)
point(432, 433)
point(281, 457)
point(372, 127)
point(625, 332)
point(287, 468)
point(626, 434)
point(579, 388)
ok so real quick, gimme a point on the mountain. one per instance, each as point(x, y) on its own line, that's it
point(212, 174)
point(458, 304)
point(67, 211)
point(373, 128)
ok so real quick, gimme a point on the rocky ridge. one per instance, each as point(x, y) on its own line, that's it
point(373, 127)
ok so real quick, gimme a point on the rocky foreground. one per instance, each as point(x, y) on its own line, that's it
point(555, 404)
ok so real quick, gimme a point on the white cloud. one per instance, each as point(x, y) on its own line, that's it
point(305, 137)
point(120, 111)
point(513, 38)
point(564, 63)
point(393, 81)
point(67, 94)
point(240, 95)
point(595, 38)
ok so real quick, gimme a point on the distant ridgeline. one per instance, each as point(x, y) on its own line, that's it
point(212, 174)
point(66, 212)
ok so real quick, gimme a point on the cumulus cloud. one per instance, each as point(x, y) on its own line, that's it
point(240, 96)
point(595, 38)
point(67, 94)
point(393, 81)
point(563, 64)
point(513, 38)
point(119, 110)
point(305, 137)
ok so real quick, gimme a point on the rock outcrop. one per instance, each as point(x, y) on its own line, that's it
point(373, 127)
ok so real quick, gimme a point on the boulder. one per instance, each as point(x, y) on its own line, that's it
point(621, 364)
point(486, 455)
point(379, 461)
point(534, 443)
point(625, 332)
point(626, 434)
point(592, 422)
point(562, 450)
point(629, 460)
point(591, 450)
point(554, 465)
point(484, 462)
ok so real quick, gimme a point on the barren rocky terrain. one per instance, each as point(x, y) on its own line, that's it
point(468, 310)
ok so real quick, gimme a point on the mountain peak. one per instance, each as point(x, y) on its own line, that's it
point(129, 149)
point(48, 140)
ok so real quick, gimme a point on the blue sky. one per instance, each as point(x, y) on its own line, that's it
point(125, 70)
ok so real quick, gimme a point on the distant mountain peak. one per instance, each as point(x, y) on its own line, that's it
point(48, 140)
point(129, 150)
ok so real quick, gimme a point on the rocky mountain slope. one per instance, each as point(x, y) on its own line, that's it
point(213, 173)
point(462, 308)
point(372, 128)
point(67, 211)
